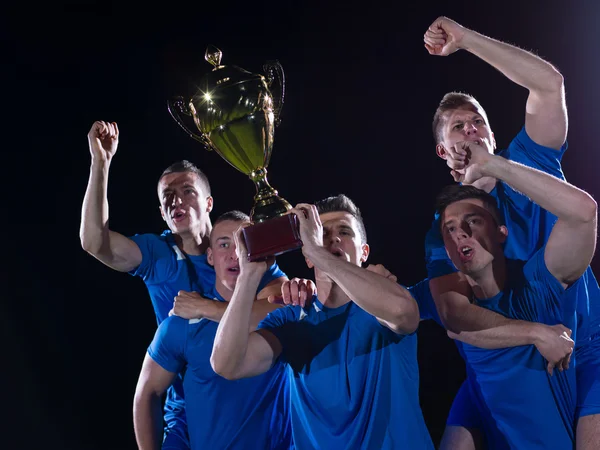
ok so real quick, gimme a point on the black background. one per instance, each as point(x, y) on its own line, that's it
point(361, 92)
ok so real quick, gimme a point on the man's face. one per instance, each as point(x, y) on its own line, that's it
point(471, 236)
point(222, 255)
point(468, 123)
point(341, 236)
point(183, 203)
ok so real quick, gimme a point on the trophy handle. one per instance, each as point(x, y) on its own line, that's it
point(276, 84)
point(182, 114)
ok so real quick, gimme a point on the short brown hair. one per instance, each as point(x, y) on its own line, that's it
point(450, 102)
point(186, 166)
point(344, 204)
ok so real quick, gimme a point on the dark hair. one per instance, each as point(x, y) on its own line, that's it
point(450, 102)
point(342, 203)
point(456, 192)
point(234, 216)
point(186, 166)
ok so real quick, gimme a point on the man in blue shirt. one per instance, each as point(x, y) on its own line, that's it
point(350, 355)
point(519, 403)
point(172, 262)
point(540, 144)
point(221, 414)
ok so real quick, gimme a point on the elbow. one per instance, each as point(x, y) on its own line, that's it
point(556, 82)
point(89, 244)
point(589, 209)
point(223, 369)
point(407, 319)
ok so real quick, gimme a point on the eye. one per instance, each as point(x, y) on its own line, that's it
point(450, 229)
point(474, 221)
point(457, 127)
point(188, 191)
point(224, 245)
point(478, 121)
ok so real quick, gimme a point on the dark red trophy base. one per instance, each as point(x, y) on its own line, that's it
point(272, 237)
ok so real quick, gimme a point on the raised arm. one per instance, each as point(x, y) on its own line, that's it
point(380, 296)
point(546, 112)
point(237, 354)
point(110, 247)
point(147, 405)
point(572, 242)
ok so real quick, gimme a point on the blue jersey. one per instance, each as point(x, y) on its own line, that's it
point(521, 406)
point(222, 414)
point(166, 270)
point(354, 383)
point(529, 227)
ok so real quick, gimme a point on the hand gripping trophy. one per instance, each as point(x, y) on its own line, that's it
point(235, 114)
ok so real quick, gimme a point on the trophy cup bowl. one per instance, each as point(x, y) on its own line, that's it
point(234, 113)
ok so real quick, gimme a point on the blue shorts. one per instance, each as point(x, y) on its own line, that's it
point(464, 412)
point(587, 358)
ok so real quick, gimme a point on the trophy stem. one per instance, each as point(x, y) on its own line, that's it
point(267, 203)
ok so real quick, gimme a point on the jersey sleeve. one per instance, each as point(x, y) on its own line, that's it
point(424, 299)
point(525, 151)
point(271, 274)
point(282, 324)
point(550, 290)
point(152, 248)
point(168, 346)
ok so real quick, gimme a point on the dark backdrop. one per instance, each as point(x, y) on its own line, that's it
point(361, 91)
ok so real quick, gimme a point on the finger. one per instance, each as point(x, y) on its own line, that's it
point(430, 49)
point(565, 362)
point(550, 368)
point(394, 278)
point(294, 292)
point(300, 212)
point(275, 299)
point(240, 242)
point(285, 293)
point(316, 215)
point(171, 313)
point(311, 288)
point(302, 294)
point(434, 39)
point(457, 152)
point(458, 177)
point(116, 129)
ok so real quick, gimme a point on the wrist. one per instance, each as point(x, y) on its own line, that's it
point(468, 39)
point(100, 162)
point(535, 333)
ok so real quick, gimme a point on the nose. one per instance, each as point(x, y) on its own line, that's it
point(233, 255)
point(470, 129)
point(177, 200)
point(334, 239)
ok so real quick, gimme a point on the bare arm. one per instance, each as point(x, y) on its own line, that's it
point(572, 242)
point(382, 297)
point(111, 248)
point(237, 354)
point(546, 112)
point(191, 305)
point(147, 405)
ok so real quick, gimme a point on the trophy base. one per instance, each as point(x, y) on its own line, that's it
point(272, 237)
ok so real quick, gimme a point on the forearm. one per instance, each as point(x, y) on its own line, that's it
point(379, 296)
point(512, 333)
point(147, 421)
point(567, 202)
point(520, 66)
point(231, 341)
point(94, 215)
point(215, 311)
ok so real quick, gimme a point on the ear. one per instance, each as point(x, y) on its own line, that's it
point(440, 151)
point(502, 233)
point(162, 213)
point(209, 256)
point(309, 263)
point(365, 253)
point(209, 204)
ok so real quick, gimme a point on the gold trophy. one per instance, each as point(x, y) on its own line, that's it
point(235, 114)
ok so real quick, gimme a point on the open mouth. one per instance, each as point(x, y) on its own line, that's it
point(337, 253)
point(466, 253)
point(234, 269)
point(178, 215)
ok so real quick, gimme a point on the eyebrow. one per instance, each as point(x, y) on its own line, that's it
point(475, 116)
point(465, 217)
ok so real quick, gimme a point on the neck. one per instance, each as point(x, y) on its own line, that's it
point(489, 281)
point(194, 242)
point(329, 293)
point(223, 290)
